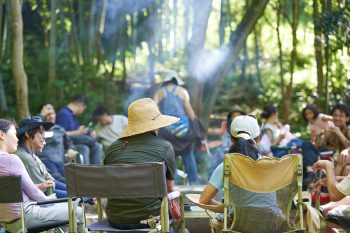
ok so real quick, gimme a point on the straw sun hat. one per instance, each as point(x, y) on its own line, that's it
point(144, 116)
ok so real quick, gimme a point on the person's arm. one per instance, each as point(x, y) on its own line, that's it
point(158, 96)
point(33, 192)
point(170, 185)
point(277, 140)
point(188, 107)
point(334, 193)
point(344, 139)
point(326, 117)
point(208, 194)
point(82, 130)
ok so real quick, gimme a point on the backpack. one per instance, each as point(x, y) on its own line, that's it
point(173, 105)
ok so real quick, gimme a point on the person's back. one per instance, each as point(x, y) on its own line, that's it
point(138, 143)
point(141, 148)
point(173, 103)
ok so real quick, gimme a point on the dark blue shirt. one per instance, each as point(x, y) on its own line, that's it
point(67, 120)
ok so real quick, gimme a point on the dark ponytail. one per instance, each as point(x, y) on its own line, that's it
point(245, 147)
point(268, 110)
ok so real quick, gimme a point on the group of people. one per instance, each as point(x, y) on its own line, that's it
point(156, 130)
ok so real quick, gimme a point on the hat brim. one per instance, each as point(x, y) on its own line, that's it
point(145, 126)
point(34, 125)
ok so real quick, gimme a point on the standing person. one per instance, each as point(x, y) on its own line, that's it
point(31, 135)
point(83, 137)
point(57, 146)
point(318, 122)
point(174, 100)
point(138, 143)
point(11, 165)
point(109, 126)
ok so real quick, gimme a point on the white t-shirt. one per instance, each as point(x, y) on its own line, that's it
point(110, 133)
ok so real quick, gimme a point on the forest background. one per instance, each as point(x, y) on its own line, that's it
point(229, 52)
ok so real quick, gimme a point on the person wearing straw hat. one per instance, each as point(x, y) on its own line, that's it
point(173, 99)
point(138, 143)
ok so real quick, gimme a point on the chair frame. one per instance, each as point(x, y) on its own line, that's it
point(164, 217)
point(17, 197)
point(227, 194)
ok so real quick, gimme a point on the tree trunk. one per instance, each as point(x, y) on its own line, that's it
point(257, 57)
point(18, 73)
point(236, 43)
point(3, 101)
point(52, 50)
point(287, 99)
point(318, 54)
point(280, 51)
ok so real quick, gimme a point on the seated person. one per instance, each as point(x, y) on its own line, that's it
point(274, 134)
point(109, 127)
point(245, 134)
point(226, 138)
point(11, 165)
point(31, 135)
point(335, 138)
point(338, 189)
point(317, 122)
point(83, 137)
point(53, 154)
point(138, 143)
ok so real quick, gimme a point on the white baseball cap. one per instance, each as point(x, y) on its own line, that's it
point(246, 127)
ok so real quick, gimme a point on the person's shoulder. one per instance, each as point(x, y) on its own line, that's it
point(119, 117)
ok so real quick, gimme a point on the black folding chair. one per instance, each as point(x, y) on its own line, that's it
point(120, 181)
point(11, 192)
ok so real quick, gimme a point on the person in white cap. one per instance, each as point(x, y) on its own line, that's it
point(245, 135)
point(138, 143)
point(174, 100)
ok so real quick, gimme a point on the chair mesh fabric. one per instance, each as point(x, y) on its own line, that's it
point(267, 214)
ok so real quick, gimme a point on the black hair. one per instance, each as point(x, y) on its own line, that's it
point(5, 125)
point(313, 109)
point(229, 120)
point(31, 133)
point(268, 110)
point(172, 80)
point(80, 98)
point(245, 147)
point(341, 107)
point(99, 111)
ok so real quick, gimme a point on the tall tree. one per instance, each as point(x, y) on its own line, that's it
point(231, 51)
point(318, 53)
point(18, 72)
point(52, 49)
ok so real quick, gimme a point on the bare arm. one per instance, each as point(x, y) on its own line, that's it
point(327, 118)
point(276, 141)
point(208, 194)
point(170, 185)
point(334, 193)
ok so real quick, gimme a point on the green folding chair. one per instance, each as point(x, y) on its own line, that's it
point(120, 181)
point(11, 192)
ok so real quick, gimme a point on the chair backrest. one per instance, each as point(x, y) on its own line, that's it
point(10, 189)
point(261, 191)
point(118, 181)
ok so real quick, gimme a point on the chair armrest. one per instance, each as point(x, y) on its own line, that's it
point(173, 195)
point(53, 201)
point(194, 199)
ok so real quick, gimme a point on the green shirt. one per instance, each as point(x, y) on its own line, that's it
point(35, 168)
point(138, 149)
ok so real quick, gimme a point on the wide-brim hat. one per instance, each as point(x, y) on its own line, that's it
point(246, 127)
point(30, 123)
point(144, 116)
point(172, 75)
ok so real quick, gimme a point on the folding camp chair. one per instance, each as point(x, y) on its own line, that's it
point(120, 181)
point(11, 192)
point(261, 193)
